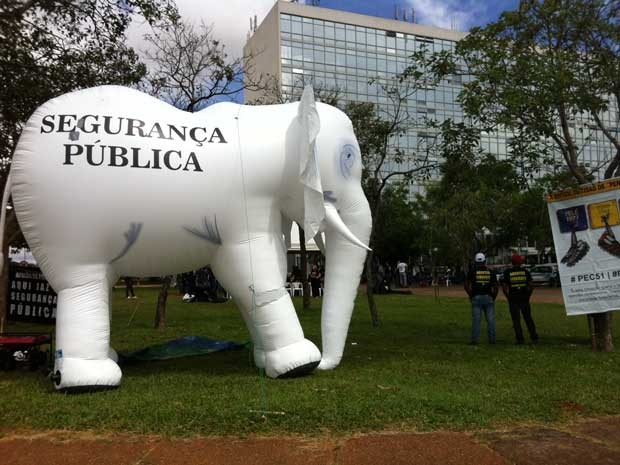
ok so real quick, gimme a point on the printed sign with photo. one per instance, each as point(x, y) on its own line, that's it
point(603, 213)
point(587, 246)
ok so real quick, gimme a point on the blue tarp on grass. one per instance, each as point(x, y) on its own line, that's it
point(184, 347)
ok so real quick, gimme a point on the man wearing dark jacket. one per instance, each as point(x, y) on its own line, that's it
point(517, 288)
point(481, 286)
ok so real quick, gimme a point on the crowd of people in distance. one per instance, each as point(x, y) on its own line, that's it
point(387, 277)
point(315, 278)
point(201, 286)
point(194, 286)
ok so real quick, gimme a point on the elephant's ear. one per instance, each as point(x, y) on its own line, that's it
point(309, 174)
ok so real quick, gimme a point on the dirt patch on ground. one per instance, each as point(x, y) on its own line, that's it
point(592, 442)
point(545, 295)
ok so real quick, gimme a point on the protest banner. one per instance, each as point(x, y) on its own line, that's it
point(584, 222)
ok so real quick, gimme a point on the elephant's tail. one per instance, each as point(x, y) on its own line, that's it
point(5, 202)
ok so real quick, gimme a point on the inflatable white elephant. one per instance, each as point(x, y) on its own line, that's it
point(110, 182)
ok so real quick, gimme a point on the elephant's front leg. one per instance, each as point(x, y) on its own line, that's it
point(251, 272)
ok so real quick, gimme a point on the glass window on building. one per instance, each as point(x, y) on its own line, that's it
point(350, 33)
point(350, 59)
point(341, 61)
point(381, 64)
point(308, 53)
point(297, 53)
point(391, 66)
point(296, 25)
point(287, 79)
point(319, 55)
point(286, 52)
point(329, 30)
point(318, 29)
point(424, 43)
point(330, 58)
point(371, 62)
point(285, 23)
point(360, 35)
point(340, 34)
point(307, 27)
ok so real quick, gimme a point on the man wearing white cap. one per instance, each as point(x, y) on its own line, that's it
point(481, 286)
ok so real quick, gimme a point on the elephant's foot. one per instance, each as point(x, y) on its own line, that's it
point(294, 359)
point(80, 374)
point(327, 364)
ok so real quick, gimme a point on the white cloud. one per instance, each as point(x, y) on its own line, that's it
point(230, 20)
point(443, 13)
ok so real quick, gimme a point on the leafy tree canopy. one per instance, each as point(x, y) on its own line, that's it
point(50, 47)
point(400, 232)
point(480, 202)
point(548, 72)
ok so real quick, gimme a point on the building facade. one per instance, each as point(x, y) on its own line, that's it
point(300, 44)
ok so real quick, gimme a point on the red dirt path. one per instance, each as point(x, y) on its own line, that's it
point(541, 294)
point(591, 442)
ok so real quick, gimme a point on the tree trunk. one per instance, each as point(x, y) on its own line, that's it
point(602, 340)
point(370, 291)
point(370, 276)
point(160, 312)
point(304, 269)
point(600, 326)
point(4, 284)
point(592, 332)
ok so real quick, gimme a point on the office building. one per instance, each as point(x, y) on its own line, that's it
point(300, 44)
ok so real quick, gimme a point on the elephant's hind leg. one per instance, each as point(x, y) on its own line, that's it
point(84, 359)
point(252, 275)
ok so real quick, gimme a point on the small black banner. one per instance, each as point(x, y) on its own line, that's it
point(31, 298)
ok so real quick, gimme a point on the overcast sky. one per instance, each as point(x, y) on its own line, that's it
point(231, 18)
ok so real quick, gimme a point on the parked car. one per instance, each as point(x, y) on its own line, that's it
point(545, 274)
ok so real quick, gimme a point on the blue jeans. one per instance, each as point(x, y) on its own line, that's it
point(479, 304)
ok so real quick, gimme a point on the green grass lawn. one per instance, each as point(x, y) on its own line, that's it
point(414, 372)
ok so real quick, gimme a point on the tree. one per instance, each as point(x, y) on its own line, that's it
point(471, 207)
point(191, 69)
point(401, 229)
point(550, 74)
point(386, 160)
point(51, 47)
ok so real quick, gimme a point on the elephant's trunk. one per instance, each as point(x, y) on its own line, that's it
point(343, 268)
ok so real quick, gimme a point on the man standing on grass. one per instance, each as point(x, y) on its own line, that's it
point(402, 273)
point(481, 287)
point(517, 288)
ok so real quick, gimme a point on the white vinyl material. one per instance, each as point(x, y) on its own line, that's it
point(109, 182)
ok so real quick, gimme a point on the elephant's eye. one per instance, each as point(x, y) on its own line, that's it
point(347, 159)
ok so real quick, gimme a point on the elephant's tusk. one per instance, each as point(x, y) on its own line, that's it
point(333, 220)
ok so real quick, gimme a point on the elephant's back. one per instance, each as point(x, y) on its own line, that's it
point(94, 165)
